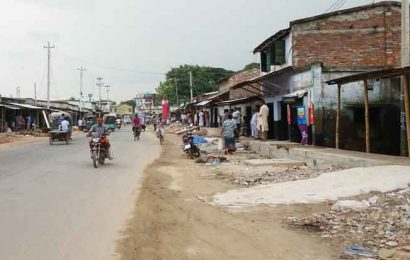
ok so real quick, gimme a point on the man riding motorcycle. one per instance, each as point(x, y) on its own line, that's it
point(99, 129)
point(136, 123)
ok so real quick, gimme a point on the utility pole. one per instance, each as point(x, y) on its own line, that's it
point(190, 85)
point(405, 59)
point(81, 69)
point(99, 85)
point(48, 47)
point(176, 89)
point(108, 98)
point(18, 92)
point(35, 94)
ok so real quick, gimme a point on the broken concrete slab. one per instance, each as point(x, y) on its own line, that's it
point(331, 186)
point(274, 162)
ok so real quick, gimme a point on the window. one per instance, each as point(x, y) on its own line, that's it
point(279, 51)
point(263, 62)
point(275, 55)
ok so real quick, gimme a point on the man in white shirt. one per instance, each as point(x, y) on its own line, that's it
point(237, 118)
point(80, 124)
point(64, 125)
point(201, 116)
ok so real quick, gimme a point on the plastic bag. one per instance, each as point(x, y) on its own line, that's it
point(221, 144)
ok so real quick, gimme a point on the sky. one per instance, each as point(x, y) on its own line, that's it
point(131, 44)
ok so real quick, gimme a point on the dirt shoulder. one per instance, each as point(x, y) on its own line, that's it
point(11, 141)
point(173, 219)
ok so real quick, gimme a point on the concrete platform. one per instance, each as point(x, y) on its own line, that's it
point(274, 162)
point(321, 157)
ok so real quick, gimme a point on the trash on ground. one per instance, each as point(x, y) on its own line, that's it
point(359, 251)
point(385, 224)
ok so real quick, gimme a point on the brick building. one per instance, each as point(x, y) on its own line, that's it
point(246, 98)
point(296, 61)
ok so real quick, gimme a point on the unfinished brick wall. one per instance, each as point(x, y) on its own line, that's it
point(364, 38)
point(238, 77)
point(242, 93)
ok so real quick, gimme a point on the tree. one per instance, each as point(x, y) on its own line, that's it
point(128, 102)
point(204, 80)
point(253, 65)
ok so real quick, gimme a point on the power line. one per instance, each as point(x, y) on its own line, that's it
point(340, 5)
point(111, 67)
point(333, 5)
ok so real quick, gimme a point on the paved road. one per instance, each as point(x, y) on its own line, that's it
point(55, 205)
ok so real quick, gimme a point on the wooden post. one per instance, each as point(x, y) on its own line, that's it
point(366, 116)
point(407, 110)
point(338, 116)
point(2, 119)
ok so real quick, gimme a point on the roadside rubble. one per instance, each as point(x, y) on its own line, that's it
point(278, 175)
point(382, 221)
point(236, 169)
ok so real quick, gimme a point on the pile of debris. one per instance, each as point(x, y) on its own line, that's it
point(381, 221)
point(279, 175)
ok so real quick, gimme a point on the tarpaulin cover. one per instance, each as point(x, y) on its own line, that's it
point(199, 139)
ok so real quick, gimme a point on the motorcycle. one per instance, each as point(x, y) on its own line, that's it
point(189, 147)
point(98, 149)
point(118, 125)
point(136, 133)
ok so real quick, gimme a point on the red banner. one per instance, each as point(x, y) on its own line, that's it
point(311, 114)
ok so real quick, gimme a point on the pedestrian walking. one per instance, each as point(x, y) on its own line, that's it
point(228, 134)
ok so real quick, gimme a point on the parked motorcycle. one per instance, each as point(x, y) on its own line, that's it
point(189, 147)
point(98, 149)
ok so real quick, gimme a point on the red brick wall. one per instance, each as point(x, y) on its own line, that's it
point(238, 78)
point(366, 38)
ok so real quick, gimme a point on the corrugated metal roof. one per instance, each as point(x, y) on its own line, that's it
point(25, 106)
point(9, 107)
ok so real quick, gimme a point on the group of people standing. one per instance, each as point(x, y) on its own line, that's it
point(259, 123)
point(232, 123)
point(21, 123)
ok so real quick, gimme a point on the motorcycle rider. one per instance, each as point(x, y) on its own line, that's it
point(136, 123)
point(99, 129)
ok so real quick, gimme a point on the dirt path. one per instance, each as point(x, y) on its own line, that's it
point(173, 220)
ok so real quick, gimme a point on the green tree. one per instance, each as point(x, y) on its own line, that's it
point(204, 80)
point(253, 65)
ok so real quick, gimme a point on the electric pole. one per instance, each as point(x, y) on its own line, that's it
point(35, 94)
point(81, 69)
point(176, 89)
point(190, 85)
point(405, 59)
point(99, 85)
point(108, 90)
point(48, 47)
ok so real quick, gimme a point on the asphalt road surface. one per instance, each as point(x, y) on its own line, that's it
point(55, 205)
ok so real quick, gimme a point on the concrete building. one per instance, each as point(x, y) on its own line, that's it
point(122, 109)
point(297, 61)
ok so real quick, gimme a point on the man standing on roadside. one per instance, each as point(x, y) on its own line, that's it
point(263, 125)
point(237, 118)
point(80, 124)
